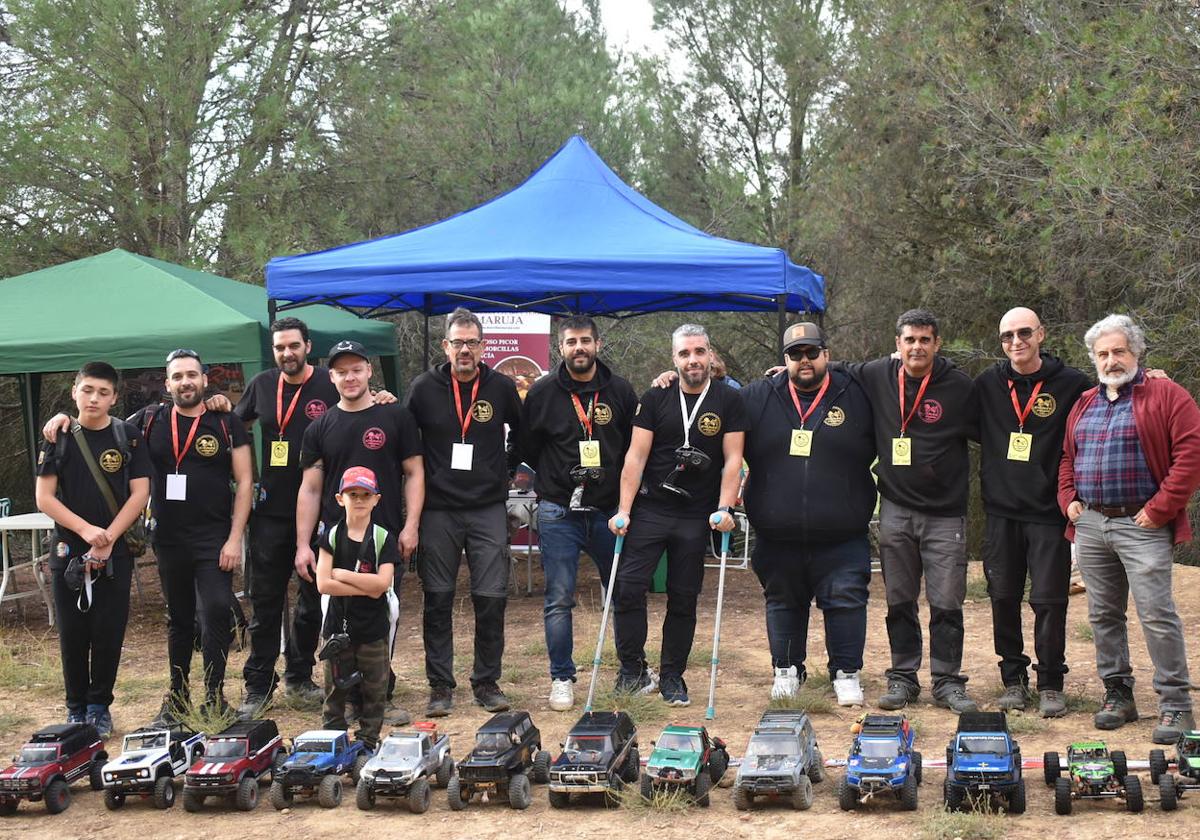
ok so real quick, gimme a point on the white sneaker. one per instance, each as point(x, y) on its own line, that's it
point(787, 683)
point(847, 688)
point(562, 695)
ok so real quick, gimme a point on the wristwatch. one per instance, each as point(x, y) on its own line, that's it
point(726, 509)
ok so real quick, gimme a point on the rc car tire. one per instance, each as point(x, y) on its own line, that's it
point(280, 796)
point(329, 792)
point(703, 786)
point(113, 800)
point(96, 771)
point(8, 807)
point(908, 793)
point(953, 796)
point(1134, 800)
point(718, 763)
point(1051, 767)
point(541, 767)
point(847, 796)
point(646, 787)
point(364, 795)
point(633, 765)
point(519, 795)
point(454, 797)
point(1168, 795)
point(1158, 765)
point(1062, 796)
point(1016, 799)
point(559, 799)
point(193, 802)
point(816, 766)
point(743, 800)
point(164, 792)
point(1120, 764)
point(246, 798)
point(58, 796)
point(356, 768)
point(916, 765)
point(418, 796)
point(802, 796)
point(445, 771)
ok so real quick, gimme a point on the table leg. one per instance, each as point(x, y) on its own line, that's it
point(38, 577)
point(5, 561)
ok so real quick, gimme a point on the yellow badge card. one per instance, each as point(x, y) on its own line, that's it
point(279, 453)
point(1019, 445)
point(589, 453)
point(901, 452)
point(801, 443)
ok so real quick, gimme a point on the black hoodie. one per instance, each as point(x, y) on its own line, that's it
point(828, 496)
point(432, 403)
point(1025, 490)
point(936, 482)
point(551, 431)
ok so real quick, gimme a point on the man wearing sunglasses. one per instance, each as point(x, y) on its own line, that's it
point(810, 496)
point(1024, 401)
point(463, 407)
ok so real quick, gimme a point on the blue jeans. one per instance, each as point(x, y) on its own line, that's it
point(562, 534)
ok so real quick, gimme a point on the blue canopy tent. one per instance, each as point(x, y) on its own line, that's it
point(572, 238)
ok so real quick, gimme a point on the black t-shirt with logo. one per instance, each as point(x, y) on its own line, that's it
point(77, 487)
point(204, 516)
point(721, 412)
point(278, 486)
point(378, 437)
point(366, 619)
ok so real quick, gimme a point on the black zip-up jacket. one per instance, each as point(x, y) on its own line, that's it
point(432, 403)
point(1025, 490)
point(828, 496)
point(551, 431)
point(936, 482)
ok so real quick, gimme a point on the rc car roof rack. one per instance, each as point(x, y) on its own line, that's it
point(983, 722)
point(882, 724)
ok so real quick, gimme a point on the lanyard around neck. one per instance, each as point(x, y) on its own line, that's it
point(688, 419)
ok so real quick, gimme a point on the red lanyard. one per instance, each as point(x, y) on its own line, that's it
point(281, 418)
point(1021, 415)
point(464, 419)
point(585, 419)
point(804, 415)
point(179, 453)
point(920, 393)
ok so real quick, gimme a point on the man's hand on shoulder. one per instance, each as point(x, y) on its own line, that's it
point(665, 379)
point(58, 423)
point(218, 402)
point(383, 397)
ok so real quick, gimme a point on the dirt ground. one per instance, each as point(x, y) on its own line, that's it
point(30, 696)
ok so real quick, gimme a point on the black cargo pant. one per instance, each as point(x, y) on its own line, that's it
point(373, 659)
point(90, 642)
point(1012, 550)
point(195, 586)
point(272, 566)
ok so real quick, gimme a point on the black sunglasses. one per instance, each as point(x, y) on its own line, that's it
point(181, 353)
point(1025, 333)
point(805, 351)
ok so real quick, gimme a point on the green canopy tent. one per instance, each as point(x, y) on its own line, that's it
point(132, 310)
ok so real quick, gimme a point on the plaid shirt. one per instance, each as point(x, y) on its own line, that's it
point(1110, 468)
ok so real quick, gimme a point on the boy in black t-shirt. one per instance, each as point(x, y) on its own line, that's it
point(93, 608)
point(355, 570)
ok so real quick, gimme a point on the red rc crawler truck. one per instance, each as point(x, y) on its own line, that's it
point(55, 757)
point(233, 763)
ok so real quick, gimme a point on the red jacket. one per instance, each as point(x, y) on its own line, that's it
point(1168, 428)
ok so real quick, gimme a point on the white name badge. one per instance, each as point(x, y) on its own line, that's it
point(801, 443)
point(589, 453)
point(461, 455)
point(901, 452)
point(1019, 445)
point(176, 487)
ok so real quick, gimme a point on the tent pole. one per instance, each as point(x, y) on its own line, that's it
point(272, 311)
point(782, 301)
point(425, 339)
point(31, 398)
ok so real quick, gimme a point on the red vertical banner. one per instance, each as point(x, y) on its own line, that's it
point(518, 345)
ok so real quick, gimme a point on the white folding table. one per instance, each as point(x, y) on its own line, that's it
point(35, 524)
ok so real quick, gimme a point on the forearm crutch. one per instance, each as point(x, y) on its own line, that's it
point(712, 677)
point(612, 580)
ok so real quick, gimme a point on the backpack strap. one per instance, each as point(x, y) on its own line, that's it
point(122, 438)
point(89, 459)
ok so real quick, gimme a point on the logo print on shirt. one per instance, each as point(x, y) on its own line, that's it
point(708, 424)
point(207, 445)
point(602, 415)
point(482, 411)
point(374, 438)
point(835, 417)
point(110, 461)
point(314, 409)
point(930, 411)
point(1044, 405)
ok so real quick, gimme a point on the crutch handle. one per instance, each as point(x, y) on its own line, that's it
point(619, 521)
point(715, 519)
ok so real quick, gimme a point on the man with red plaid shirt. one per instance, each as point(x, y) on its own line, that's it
point(1131, 461)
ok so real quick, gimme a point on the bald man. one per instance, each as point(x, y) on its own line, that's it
point(1024, 401)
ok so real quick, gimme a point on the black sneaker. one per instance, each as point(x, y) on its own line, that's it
point(674, 691)
point(76, 716)
point(101, 718)
point(169, 713)
point(217, 706)
point(252, 706)
point(1172, 724)
point(898, 695)
point(956, 699)
point(643, 683)
point(1118, 707)
point(1014, 697)
point(441, 701)
point(304, 695)
point(490, 697)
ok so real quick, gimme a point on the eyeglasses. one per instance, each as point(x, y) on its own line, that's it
point(181, 353)
point(1025, 333)
point(459, 343)
point(806, 351)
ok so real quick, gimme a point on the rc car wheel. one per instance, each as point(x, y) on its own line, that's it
point(280, 796)
point(847, 796)
point(356, 768)
point(58, 796)
point(96, 771)
point(1168, 795)
point(1016, 799)
point(953, 796)
point(718, 763)
point(541, 767)
point(816, 767)
point(633, 765)
point(1051, 767)
point(418, 796)
point(329, 792)
point(743, 800)
point(802, 796)
point(164, 792)
point(364, 795)
point(703, 786)
point(1134, 800)
point(8, 807)
point(559, 799)
point(646, 787)
point(113, 800)
point(519, 795)
point(454, 796)
point(916, 765)
point(193, 802)
point(445, 771)
point(1062, 796)
point(1158, 765)
point(908, 793)
point(246, 798)
point(1120, 764)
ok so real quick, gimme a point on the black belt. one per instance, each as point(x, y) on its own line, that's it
point(1116, 510)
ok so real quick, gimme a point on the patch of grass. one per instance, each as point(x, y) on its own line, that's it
point(9, 721)
point(136, 689)
point(1084, 631)
point(669, 799)
point(202, 717)
point(1078, 702)
point(977, 587)
point(1025, 724)
point(978, 824)
point(812, 698)
point(643, 708)
point(30, 664)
